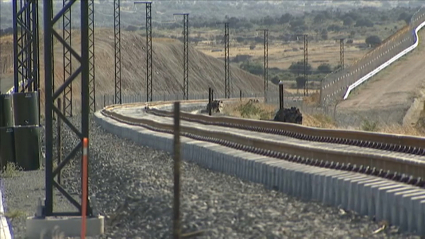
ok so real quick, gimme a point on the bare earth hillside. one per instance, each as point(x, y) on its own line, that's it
point(389, 95)
point(204, 71)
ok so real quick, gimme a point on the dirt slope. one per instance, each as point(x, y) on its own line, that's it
point(388, 96)
point(204, 71)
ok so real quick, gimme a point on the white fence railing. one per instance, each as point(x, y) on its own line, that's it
point(389, 62)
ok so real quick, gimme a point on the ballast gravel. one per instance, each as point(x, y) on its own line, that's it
point(133, 186)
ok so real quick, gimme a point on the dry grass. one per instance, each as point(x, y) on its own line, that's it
point(282, 55)
point(313, 99)
point(10, 170)
point(245, 109)
point(249, 110)
point(14, 214)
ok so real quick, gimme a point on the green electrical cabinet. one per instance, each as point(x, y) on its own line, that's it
point(25, 108)
point(6, 111)
point(27, 147)
point(7, 147)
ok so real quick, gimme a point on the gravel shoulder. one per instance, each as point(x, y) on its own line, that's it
point(133, 186)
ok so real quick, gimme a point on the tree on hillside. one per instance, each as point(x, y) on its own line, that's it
point(364, 23)
point(324, 34)
point(348, 21)
point(405, 17)
point(252, 68)
point(319, 18)
point(275, 79)
point(297, 68)
point(285, 18)
point(299, 23)
point(324, 68)
point(300, 82)
point(373, 40)
point(334, 28)
point(268, 20)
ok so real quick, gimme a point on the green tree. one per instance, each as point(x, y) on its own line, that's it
point(373, 40)
point(348, 21)
point(300, 82)
point(364, 23)
point(285, 18)
point(324, 68)
point(297, 68)
point(405, 17)
point(252, 68)
point(324, 34)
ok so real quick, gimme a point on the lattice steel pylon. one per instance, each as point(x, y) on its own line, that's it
point(226, 61)
point(185, 55)
point(306, 64)
point(50, 96)
point(266, 62)
point(67, 59)
point(341, 53)
point(92, 73)
point(25, 45)
point(117, 46)
point(148, 49)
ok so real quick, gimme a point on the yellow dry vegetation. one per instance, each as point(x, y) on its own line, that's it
point(282, 55)
point(246, 109)
point(249, 110)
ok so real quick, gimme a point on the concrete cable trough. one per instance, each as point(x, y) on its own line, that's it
point(398, 203)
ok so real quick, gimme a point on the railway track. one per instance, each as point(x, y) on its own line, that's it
point(395, 157)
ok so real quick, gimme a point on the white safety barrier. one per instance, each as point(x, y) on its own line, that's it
point(4, 226)
point(384, 65)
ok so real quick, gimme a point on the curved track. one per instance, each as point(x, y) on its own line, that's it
point(314, 148)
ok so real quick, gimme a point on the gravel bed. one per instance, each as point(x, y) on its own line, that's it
point(134, 189)
point(133, 185)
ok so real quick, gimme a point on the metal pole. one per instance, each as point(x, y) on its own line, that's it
point(92, 72)
point(341, 53)
point(15, 46)
point(185, 54)
point(67, 59)
point(25, 45)
point(266, 62)
point(50, 96)
point(47, 4)
point(59, 145)
point(176, 205)
point(209, 101)
point(226, 61)
point(305, 64)
point(117, 46)
point(281, 99)
point(87, 65)
point(149, 51)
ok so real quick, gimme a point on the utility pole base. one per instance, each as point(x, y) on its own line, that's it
point(69, 226)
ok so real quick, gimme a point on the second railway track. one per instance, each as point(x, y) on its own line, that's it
point(378, 154)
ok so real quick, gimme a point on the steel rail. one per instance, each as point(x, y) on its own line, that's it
point(389, 142)
point(407, 171)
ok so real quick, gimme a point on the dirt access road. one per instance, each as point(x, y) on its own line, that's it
point(390, 94)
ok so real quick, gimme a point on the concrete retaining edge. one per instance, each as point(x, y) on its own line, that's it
point(399, 204)
point(5, 229)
